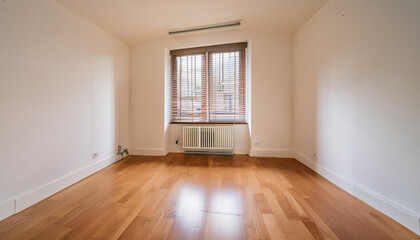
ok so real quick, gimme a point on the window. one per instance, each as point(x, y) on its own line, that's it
point(208, 84)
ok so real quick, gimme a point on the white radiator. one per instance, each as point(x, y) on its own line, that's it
point(210, 139)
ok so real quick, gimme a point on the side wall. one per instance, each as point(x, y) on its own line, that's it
point(271, 90)
point(63, 97)
point(357, 101)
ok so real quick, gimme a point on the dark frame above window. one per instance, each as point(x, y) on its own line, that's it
point(208, 84)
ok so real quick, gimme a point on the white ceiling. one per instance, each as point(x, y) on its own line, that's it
point(134, 21)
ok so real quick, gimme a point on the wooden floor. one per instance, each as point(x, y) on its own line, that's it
point(203, 197)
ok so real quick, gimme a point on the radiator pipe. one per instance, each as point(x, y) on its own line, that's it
point(125, 151)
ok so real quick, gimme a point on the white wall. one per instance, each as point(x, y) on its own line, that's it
point(357, 101)
point(63, 96)
point(271, 85)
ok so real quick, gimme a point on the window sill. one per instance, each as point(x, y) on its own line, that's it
point(210, 123)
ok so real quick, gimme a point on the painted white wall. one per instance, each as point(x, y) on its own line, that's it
point(357, 101)
point(271, 90)
point(63, 96)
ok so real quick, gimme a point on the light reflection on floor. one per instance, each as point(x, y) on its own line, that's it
point(218, 212)
point(226, 201)
point(189, 205)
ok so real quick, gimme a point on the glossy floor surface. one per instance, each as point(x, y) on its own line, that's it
point(203, 197)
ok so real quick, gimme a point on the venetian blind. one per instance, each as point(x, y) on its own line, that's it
point(208, 84)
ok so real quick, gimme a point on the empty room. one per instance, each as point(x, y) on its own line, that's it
point(210, 119)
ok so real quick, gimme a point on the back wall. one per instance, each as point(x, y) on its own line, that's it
point(271, 92)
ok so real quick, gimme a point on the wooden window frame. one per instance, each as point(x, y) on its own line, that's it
point(205, 92)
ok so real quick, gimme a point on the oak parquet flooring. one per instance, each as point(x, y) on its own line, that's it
point(203, 197)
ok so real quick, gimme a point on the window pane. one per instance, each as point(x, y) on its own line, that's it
point(190, 78)
point(226, 81)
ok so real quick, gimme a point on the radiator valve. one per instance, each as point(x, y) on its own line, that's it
point(125, 151)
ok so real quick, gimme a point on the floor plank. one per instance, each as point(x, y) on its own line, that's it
point(203, 197)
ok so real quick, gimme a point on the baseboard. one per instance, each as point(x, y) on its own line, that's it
point(270, 153)
point(407, 218)
point(175, 149)
point(241, 150)
point(33, 196)
point(341, 181)
point(149, 151)
point(7, 209)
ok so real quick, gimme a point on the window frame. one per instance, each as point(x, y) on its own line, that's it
point(207, 50)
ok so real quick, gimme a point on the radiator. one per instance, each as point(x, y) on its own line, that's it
point(208, 139)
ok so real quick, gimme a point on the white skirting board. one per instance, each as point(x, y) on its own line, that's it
point(252, 152)
point(148, 151)
point(7, 209)
point(174, 149)
point(33, 196)
point(180, 150)
point(407, 218)
point(271, 153)
point(241, 151)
